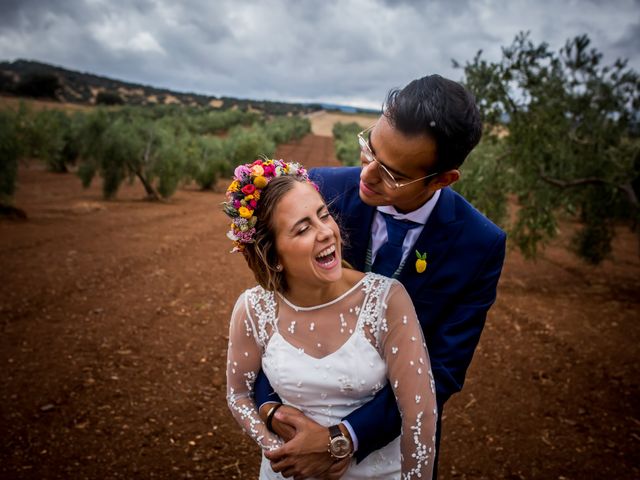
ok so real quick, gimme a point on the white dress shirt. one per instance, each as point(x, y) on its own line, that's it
point(379, 227)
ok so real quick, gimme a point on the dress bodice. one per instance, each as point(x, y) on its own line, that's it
point(328, 360)
point(327, 388)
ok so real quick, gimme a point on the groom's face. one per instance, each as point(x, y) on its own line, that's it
point(407, 158)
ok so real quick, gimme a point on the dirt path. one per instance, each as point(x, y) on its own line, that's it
point(322, 122)
point(114, 318)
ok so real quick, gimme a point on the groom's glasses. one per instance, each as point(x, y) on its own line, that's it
point(386, 176)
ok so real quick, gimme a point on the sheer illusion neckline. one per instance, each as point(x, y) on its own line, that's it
point(323, 305)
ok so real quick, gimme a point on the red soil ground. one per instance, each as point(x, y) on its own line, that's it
point(114, 319)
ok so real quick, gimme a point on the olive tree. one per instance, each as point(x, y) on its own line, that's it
point(205, 161)
point(562, 136)
point(10, 150)
point(346, 143)
point(121, 146)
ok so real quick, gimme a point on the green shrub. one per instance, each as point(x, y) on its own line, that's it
point(285, 129)
point(483, 179)
point(9, 154)
point(50, 138)
point(109, 98)
point(205, 161)
point(346, 143)
point(167, 167)
point(246, 144)
point(39, 85)
point(128, 144)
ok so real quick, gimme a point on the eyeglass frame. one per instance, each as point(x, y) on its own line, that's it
point(365, 148)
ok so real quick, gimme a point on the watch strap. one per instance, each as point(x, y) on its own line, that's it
point(334, 431)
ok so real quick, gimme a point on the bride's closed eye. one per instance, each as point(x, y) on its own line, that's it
point(324, 212)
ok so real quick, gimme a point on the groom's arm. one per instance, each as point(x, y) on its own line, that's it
point(453, 341)
point(263, 391)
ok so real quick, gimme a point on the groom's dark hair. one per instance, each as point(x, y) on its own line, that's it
point(442, 109)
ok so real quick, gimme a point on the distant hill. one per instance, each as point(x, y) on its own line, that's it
point(30, 78)
point(348, 109)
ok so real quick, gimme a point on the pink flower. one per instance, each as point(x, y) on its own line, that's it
point(253, 204)
point(269, 170)
point(236, 204)
point(249, 189)
point(241, 171)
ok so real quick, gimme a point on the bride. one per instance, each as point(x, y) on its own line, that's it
point(326, 336)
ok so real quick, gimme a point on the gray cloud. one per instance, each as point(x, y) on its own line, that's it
point(350, 51)
point(629, 45)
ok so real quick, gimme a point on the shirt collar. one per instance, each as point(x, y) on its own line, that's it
point(420, 215)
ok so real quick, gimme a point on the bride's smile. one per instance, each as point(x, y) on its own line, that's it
point(309, 246)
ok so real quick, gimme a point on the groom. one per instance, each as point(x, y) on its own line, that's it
point(397, 210)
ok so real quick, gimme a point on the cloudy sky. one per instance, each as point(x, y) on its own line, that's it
point(342, 51)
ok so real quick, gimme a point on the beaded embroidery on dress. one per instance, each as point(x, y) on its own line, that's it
point(330, 359)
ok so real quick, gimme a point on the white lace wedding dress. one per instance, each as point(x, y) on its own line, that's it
point(330, 359)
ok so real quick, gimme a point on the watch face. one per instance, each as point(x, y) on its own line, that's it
point(340, 447)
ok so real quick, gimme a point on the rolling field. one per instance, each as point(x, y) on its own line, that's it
point(114, 317)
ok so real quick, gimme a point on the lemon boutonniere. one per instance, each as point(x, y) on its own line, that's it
point(421, 262)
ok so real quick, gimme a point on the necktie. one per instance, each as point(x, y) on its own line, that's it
point(389, 256)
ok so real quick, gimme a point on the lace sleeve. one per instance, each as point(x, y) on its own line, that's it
point(243, 364)
point(409, 372)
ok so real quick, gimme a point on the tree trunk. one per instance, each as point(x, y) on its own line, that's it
point(152, 194)
point(11, 212)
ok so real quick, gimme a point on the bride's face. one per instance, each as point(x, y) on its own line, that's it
point(307, 238)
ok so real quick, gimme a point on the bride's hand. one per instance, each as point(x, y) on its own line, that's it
point(306, 454)
point(282, 429)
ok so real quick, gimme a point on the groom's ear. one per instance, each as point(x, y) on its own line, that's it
point(445, 179)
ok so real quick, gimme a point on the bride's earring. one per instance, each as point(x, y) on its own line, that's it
point(278, 268)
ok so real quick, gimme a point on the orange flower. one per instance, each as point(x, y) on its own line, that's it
point(257, 170)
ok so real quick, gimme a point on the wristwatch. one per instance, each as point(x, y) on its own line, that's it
point(339, 444)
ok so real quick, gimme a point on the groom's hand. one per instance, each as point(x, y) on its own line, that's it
point(337, 469)
point(306, 454)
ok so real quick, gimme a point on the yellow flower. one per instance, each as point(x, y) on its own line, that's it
point(234, 186)
point(244, 212)
point(260, 181)
point(257, 170)
point(256, 194)
point(249, 197)
point(421, 262)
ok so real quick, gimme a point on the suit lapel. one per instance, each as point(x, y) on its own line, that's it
point(436, 238)
point(359, 231)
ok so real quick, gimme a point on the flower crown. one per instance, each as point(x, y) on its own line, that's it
point(244, 193)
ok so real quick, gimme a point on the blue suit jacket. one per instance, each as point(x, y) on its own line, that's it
point(465, 253)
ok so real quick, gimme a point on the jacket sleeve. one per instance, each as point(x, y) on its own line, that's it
point(454, 339)
point(264, 391)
